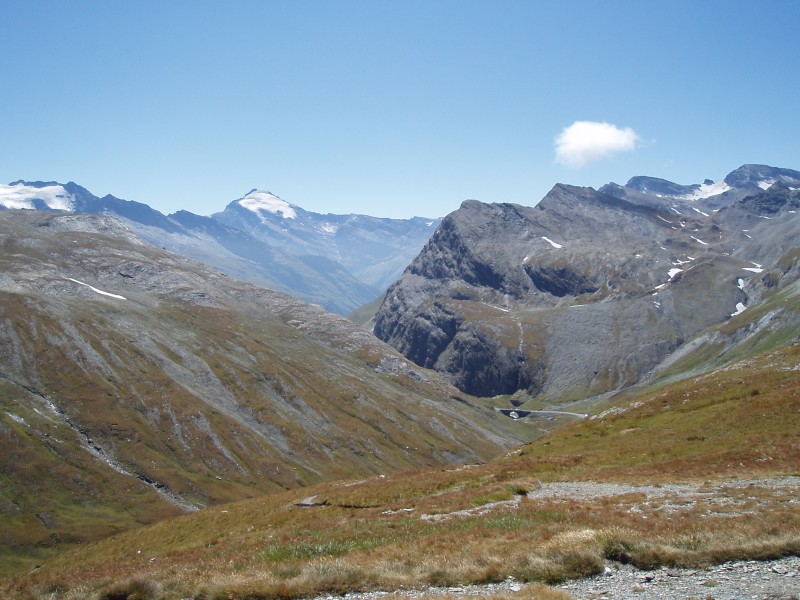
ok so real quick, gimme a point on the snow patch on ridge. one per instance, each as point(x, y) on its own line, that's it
point(329, 228)
point(21, 196)
point(757, 268)
point(17, 419)
point(765, 184)
point(706, 190)
point(552, 243)
point(257, 201)
point(94, 289)
point(673, 272)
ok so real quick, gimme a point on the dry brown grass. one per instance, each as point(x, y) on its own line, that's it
point(462, 525)
point(732, 422)
point(299, 552)
point(335, 550)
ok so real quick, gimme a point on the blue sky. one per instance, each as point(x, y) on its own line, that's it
point(391, 108)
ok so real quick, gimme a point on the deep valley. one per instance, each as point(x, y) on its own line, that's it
point(171, 429)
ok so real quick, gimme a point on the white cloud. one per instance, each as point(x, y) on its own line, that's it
point(584, 142)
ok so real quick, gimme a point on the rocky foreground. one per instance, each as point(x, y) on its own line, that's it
point(774, 580)
point(779, 579)
point(735, 580)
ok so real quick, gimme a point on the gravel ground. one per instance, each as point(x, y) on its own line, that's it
point(584, 490)
point(779, 579)
point(750, 580)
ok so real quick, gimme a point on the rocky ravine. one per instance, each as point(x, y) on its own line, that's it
point(590, 291)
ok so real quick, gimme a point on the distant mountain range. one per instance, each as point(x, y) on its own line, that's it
point(593, 290)
point(136, 383)
point(340, 262)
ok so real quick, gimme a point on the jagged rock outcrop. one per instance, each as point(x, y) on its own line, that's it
point(590, 290)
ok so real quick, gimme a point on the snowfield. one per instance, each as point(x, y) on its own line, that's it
point(22, 196)
point(708, 190)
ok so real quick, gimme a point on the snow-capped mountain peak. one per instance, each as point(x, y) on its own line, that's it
point(747, 180)
point(260, 201)
point(36, 196)
point(762, 176)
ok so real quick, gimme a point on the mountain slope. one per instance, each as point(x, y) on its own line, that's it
point(374, 250)
point(690, 474)
point(590, 291)
point(340, 262)
point(135, 384)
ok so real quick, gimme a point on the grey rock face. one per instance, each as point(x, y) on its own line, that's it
point(589, 290)
point(754, 175)
point(654, 185)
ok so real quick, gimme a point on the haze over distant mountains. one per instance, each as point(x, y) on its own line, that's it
point(340, 262)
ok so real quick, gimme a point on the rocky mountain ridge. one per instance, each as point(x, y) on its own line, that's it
point(340, 262)
point(591, 290)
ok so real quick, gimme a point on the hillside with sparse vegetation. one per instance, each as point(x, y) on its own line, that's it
point(136, 385)
point(691, 473)
point(167, 432)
